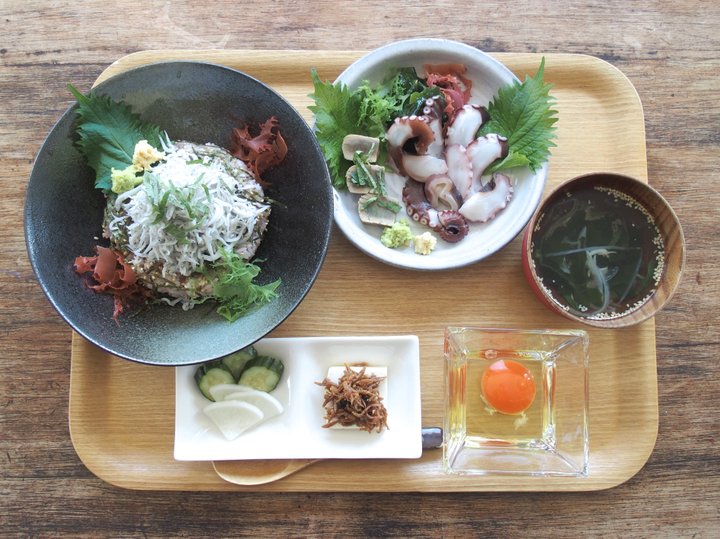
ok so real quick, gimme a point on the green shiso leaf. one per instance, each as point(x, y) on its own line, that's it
point(523, 112)
point(108, 132)
point(337, 114)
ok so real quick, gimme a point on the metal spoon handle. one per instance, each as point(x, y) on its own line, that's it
point(432, 437)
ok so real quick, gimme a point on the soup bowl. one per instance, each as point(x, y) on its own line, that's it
point(605, 250)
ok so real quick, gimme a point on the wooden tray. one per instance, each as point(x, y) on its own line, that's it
point(121, 413)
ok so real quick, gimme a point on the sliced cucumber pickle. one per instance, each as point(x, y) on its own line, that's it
point(236, 362)
point(262, 373)
point(211, 375)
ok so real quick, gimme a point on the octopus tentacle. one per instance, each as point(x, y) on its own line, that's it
point(417, 205)
point(465, 124)
point(441, 191)
point(484, 205)
point(459, 169)
point(434, 114)
point(415, 130)
point(453, 83)
point(423, 167)
point(482, 152)
point(452, 226)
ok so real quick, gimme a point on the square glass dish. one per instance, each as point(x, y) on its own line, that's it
point(516, 402)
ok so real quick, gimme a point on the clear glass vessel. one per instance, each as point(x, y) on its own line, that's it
point(550, 437)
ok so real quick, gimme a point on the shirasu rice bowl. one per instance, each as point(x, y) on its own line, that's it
point(194, 206)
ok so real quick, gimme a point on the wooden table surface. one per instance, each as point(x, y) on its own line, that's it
point(670, 52)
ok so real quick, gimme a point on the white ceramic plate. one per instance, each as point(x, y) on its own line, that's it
point(488, 75)
point(298, 432)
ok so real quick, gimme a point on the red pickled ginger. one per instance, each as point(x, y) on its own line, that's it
point(112, 275)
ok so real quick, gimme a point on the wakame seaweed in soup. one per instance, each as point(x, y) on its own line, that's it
point(598, 252)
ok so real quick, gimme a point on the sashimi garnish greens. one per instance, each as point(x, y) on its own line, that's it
point(366, 110)
point(364, 176)
point(524, 114)
point(455, 162)
point(184, 220)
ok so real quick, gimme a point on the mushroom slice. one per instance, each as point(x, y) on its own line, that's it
point(374, 214)
point(353, 143)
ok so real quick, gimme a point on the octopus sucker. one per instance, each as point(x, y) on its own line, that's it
point(452, 226)
point(417, 205)
point(432, 111)
point(433, 108)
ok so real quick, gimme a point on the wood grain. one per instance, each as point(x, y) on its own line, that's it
point(669, 52)
point(109, 397)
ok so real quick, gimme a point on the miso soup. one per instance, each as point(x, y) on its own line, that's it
point(598, 252)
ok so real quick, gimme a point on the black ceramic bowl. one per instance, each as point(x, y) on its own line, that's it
point(202, 103)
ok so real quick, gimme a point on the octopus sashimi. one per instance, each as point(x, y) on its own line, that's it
point(484, 205)
point(465, 125)
point(437, 159)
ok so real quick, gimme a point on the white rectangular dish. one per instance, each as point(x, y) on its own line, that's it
point(298, 432)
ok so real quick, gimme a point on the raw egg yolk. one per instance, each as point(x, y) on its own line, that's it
point(508, 387)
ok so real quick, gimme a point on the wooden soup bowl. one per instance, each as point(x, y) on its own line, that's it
point(666, 221)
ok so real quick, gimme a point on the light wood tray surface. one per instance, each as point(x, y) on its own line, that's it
point(121, 414)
